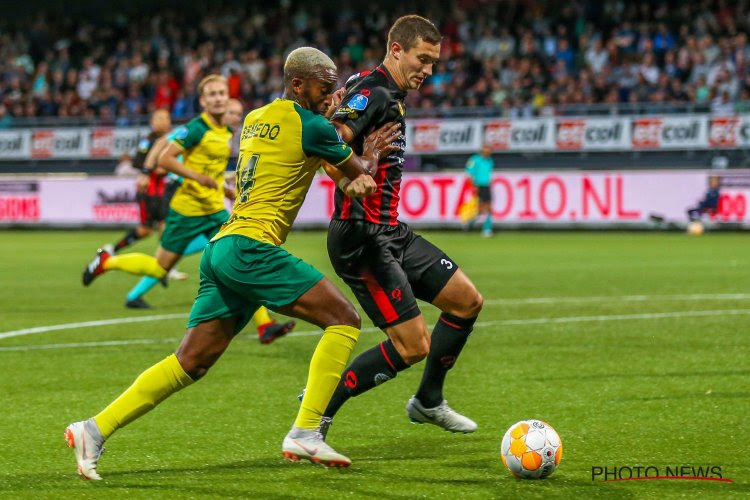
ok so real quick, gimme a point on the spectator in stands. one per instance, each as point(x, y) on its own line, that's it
point(722, 105)
point(597, 57)
point(546, 54)
point(5, 118)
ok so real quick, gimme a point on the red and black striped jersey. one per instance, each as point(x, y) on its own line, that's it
point(373, 99)
point(156, 182)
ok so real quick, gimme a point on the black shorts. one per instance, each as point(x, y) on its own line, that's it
point(152, 209)
point(484, 194)
point(388, 268)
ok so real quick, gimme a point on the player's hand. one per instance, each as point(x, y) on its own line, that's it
point(381, 142)
point(230, 193)
point(363, 185)
point(141, 184)
point(336, 98)
point(206, 181)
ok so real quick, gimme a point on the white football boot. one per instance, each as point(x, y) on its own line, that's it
point(86, 441)
point(177, 275)
point(309, 444)
point(442, 415)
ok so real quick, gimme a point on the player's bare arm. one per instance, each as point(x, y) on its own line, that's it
point(168, 160)
point(151, 161)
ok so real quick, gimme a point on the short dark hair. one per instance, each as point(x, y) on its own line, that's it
point(408, 29)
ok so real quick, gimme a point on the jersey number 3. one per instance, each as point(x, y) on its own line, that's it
point(246, 179)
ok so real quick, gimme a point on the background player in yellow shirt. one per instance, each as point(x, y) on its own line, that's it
point(197, 206)
point(282, 146)
point(267, 328)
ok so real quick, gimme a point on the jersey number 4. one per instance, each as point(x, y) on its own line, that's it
point(246, 179)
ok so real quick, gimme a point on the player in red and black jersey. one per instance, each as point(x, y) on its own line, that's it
point(384, 262)
point(373, 99)
point(150, 185)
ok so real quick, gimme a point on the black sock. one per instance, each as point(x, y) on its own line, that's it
point(371, 368)
point(127, 240)
point(448, 338)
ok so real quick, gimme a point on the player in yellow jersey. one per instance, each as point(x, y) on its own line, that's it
point(268, 329)
point(282, 146)
point(197, 206)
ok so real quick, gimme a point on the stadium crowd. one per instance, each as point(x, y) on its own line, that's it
point(520, 58)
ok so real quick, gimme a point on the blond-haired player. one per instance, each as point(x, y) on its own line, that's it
point(244, 266)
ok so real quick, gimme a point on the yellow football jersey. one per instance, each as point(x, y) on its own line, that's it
point(206, 150)
point(280, 150)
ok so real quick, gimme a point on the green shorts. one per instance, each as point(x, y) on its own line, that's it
point(240, 274)
point(180, 230)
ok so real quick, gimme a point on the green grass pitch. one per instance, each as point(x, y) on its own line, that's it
point(634, 346)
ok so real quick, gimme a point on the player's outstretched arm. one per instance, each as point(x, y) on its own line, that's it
point(168, 160)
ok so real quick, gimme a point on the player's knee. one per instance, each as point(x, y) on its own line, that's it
point(196, 364)
point(474, 304)
point(469, 306)
point(417, 353)
point(346, 314)
point(417, 350)
point(192, 365)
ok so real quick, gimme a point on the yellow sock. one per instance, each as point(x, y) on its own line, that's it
point(261, 316)
point(136, 263)
point(150, 388)
point(327, 364)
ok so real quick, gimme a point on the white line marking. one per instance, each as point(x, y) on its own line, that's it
point(617, 317)
point(620, 298)
point(489, 302)
point(505, 322)
point(102, 343)
point(86, 324)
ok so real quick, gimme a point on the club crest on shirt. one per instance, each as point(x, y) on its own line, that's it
point(358, 102)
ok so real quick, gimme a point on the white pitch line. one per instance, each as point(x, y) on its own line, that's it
point(102, 343)
point(489, 302)
point(505, 322)
point(620, 298)
point(86, 324)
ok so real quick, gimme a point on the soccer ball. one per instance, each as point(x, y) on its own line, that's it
point(531, 449)
point(695, 228)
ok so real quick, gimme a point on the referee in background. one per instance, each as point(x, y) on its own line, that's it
point(479, 168)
